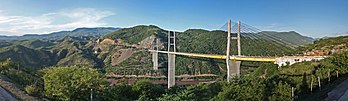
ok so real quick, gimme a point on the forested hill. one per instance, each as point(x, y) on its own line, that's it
point(44, 53)
point(87, 51)
point(192, 40)
point(99, 31)
point(291, 37)
point(327, 46)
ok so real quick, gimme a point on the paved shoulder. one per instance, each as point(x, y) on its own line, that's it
point(340, 92)
point(6, 96)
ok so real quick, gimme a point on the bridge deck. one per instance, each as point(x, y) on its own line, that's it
point(236, 58)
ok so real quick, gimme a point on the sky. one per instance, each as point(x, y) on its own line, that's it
point(314, 18)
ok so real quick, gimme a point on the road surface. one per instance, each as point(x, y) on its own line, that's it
point(344, 97)
point(339, 93)
point(6, 96)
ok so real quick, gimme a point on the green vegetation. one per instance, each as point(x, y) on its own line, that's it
point(292, 37)
point(327, 46)
point(135, 34)
point(79, 51)
point(45, 68)
point(36, 54)
point(195, 41)
point(71, 83)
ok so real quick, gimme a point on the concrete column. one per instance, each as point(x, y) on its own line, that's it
point(171, 59)
point(155, 60)
point(228, 50)
point(238, 40)
point(171, 70)
point(234, 69)
point(155, 54)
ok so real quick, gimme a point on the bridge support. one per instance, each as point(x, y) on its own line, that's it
point(171, 70)
point(171, 59)
point(155, 60)
point(234, 69)
point(155, 54)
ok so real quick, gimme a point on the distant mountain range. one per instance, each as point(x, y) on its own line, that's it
point(292, 37)
point(97, 32)
point(78, 48)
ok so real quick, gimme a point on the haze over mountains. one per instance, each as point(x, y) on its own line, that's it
point(97, 32)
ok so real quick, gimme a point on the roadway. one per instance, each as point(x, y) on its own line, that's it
point(340, 93)
point(6, 96)
point(235, 58)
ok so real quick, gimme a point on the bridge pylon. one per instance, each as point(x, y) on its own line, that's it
point(233, 67)
point(171, 59)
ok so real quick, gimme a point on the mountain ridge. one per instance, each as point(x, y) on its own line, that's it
point(84, 31)
point(90, 51)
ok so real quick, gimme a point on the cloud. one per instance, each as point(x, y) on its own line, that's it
point(53, 21)
point(341, 34)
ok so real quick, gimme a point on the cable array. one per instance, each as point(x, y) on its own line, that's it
point(257, 36)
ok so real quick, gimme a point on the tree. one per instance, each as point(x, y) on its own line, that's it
point(71, 83)
point(282, 92)
point(121, 92)
point(32, 90)
point(145, 90)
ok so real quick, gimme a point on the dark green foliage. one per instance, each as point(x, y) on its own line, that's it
point(327, 43)
point(135, 34)
point(267, 82)
point(200, 92)
point(36, 54)
point(340, 60)
point(23, 77)
point(71, 83)
point(266, 70)
point(282, 92)
point(120, 92)
point(147, 91)
point(18, 73)
point(33, 90)
point(213, 42)
point(27, 56)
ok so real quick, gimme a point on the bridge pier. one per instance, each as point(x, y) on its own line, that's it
point(155, 53)
point(233, 69)
point(155, 60)
point(171, 59)
point(171, 70)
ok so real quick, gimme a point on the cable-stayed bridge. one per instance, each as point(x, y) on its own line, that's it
point(234, 32)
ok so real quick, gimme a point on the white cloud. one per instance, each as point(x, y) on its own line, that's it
point(54, 21)
point(340, 34)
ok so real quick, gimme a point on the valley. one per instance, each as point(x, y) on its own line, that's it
point(122, 58)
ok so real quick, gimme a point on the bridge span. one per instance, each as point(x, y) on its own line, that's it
point(280, 61)
point(233, 62)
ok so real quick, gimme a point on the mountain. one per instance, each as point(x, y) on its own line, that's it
point(124, 50)
point(192, 40)
point(326, 46)
point(26, 56)
point(291, 37)
point(38, 53)
point(97, 32)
